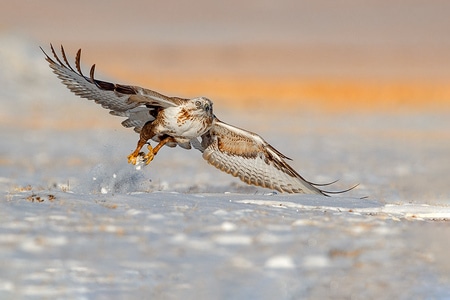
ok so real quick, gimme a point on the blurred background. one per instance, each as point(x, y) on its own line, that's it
point(333, 55)
point(370, 75)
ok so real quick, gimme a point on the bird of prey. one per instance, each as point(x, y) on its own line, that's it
point(187, 123)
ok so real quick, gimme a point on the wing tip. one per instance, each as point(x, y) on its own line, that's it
point(341, 191)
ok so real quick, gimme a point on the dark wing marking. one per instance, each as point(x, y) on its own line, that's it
point(247, 156)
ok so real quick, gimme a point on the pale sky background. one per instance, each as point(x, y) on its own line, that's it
point(403, 38)
point(381, 23)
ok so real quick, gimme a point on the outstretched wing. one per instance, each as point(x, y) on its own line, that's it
point(138, 104)
point(246, 155)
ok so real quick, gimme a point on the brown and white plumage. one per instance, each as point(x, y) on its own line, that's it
point(185, 122)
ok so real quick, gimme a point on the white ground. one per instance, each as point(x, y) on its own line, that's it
point(76, 221)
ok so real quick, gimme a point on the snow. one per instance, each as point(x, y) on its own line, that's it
point(76, 221)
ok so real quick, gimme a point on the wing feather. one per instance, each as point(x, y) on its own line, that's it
point(122, 100)
point(246, 155)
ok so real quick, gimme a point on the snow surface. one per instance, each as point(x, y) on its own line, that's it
point(76, 221)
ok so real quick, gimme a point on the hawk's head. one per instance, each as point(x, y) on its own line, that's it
point(201, 106)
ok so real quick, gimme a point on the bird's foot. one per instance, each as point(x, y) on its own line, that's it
point(150, 155)
point(133, 157)
point(138, 157)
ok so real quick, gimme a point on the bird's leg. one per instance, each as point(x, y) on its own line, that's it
point(132, 158)
point(153, 151)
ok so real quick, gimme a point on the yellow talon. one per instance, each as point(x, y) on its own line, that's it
point(132, 158)
point(150, 155)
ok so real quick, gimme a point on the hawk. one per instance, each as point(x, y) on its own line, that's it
point(173, 121)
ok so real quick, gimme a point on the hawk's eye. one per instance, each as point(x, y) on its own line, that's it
point(198, 104)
